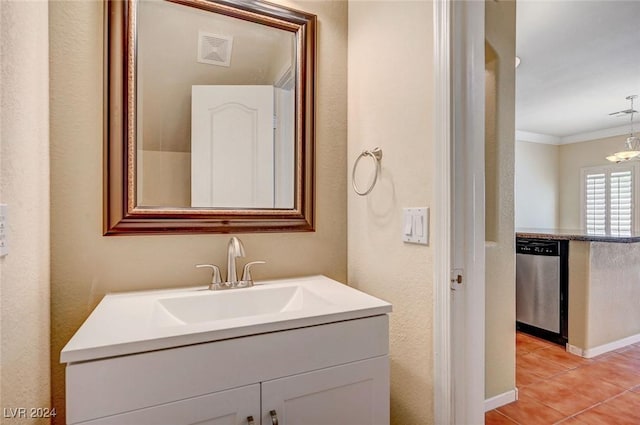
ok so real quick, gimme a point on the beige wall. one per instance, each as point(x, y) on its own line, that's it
point(579, 293)
point(85, 265)
point(391, 105)
point(548, 180)
point(171, 174)
point(500, 21)
point(573, 157)
point(491, 146)
point(537, 185)
point(614, 292)
point(24, 177)
point(606, 292)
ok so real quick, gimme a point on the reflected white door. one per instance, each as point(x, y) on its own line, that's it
point(284, 148)
point(232, 147)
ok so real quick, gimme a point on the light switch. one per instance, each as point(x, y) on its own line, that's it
point(408, 224)
point(415, 226)
point(418, 225)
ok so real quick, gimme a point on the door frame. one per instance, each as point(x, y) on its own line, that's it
point(459, 211)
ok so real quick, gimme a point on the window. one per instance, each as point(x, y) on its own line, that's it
point(609, 200)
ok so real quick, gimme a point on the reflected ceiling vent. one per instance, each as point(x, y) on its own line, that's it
point(214, 49)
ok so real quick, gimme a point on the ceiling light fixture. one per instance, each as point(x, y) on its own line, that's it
point(633, 142)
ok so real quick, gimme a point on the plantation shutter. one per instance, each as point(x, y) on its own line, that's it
point(621, 190)
point(608, 201)
point(595, 203)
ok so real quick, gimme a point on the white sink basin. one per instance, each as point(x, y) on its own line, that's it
point(230, 304)
point(137, 322)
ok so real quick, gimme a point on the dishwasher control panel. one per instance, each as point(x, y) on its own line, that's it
point(538, 247)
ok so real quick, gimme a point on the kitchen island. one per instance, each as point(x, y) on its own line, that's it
point(604, 289)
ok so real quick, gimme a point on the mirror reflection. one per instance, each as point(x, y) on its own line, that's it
point(215, 109)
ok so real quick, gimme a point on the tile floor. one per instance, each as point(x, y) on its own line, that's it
point(556, 387)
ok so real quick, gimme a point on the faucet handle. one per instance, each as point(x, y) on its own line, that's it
point(215, 278)
point(246, 273)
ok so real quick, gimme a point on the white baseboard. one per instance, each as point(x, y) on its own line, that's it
point(589, 353)
point(501, 399)
point(575, 350)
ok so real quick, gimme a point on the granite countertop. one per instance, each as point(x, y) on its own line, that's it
point(575, 235)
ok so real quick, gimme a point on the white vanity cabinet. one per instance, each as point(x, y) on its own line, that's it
point(334, 373)
point(231, 407)
point(351, 394)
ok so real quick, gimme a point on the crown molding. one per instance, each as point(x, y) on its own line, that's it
point(528, 136)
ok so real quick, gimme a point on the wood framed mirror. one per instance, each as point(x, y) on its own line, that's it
point(209, 117)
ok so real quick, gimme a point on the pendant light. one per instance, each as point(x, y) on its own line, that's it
point(632, 143)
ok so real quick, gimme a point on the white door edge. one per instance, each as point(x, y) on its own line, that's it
point(443, 391)
point(459, 128)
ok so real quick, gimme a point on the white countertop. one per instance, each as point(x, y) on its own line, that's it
point(129, 323)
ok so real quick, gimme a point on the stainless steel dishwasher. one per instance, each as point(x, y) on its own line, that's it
point(542, 288)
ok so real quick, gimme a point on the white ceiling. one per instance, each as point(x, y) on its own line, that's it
point(579, 60)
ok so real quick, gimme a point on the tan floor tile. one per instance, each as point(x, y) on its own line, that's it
point(525, 377)
point(560, 356)
point(632, 351)
point(616, 369)
point(554, 385)
point(531, 362)
point(622, 410)
point(571, 392)
point(528, 410)
point(602, 356)
point(601, 389)
point(522, 349)
point(570, 421)
point(526, 343)
point(492, 417)
point(625, 359)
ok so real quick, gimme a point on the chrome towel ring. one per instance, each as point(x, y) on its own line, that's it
point(376, 154)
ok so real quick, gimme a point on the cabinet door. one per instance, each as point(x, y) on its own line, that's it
point(232, 407)
point(355, 394)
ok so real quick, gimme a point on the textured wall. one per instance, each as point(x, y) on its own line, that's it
point(24, 176)
point(391, 106)
point(537, 185)
point(579, 293)
point(548, 180)
point(573, 157)
point(171, 174)
point(604, 293)
point(85, 265)
point(491, 145)
point(500, 21)
point(614, 292)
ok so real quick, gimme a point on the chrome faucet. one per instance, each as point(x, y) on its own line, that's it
point(235, 249)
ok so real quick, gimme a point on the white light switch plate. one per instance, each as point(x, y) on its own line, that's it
point(415, 225)
point(4, 248)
